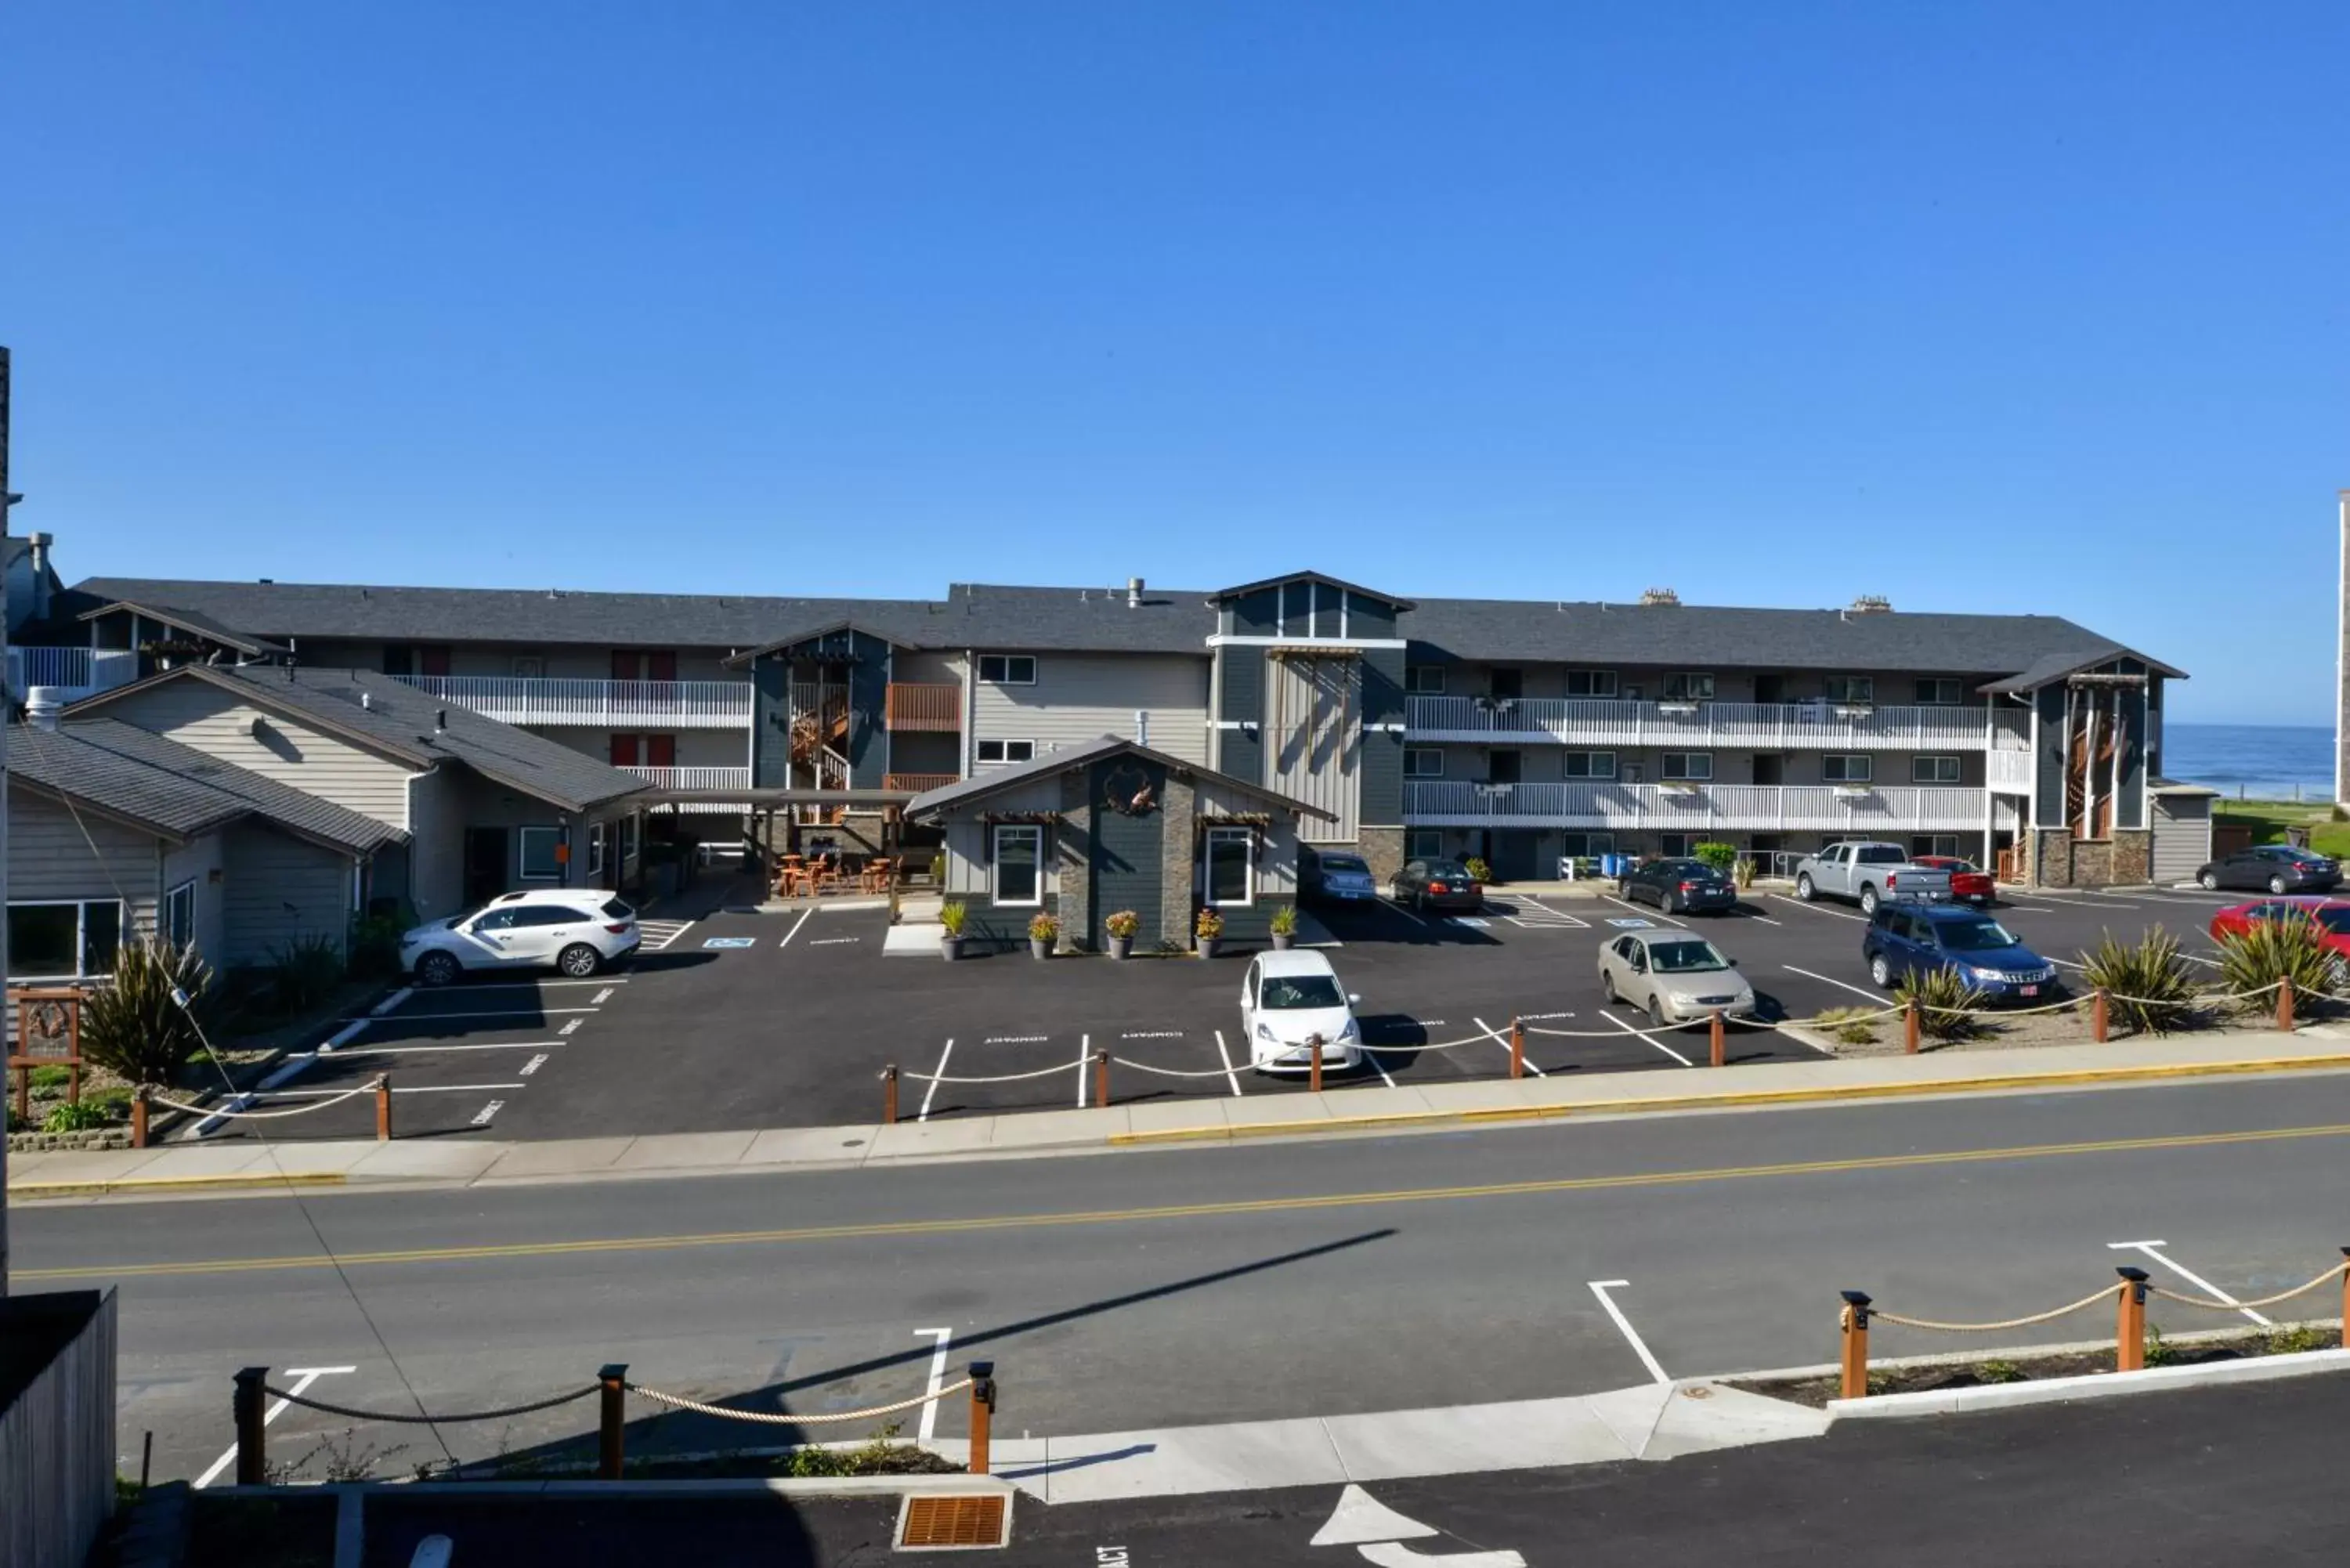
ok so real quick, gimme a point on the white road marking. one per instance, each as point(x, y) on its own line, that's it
point(421, 1089)
point(1084, 1059)
point(302, 1377)
point(542, 984)
point(2154, 1250)
point(482, 1117)
point(1378, 1066)
point(1231, 1077)
point(1878, 997)
point(936, 1073)
point(1600, 1288)
point(1560, 914)
point(1505, 1041)
point(2007, 903)
point(571, 1026)
point(421, 1050)
point(1152, 1035)
point(2085, 903)
point(1814, 909)
point(502, 1013)
point(534, 1065)
point(796, 928)
point(1015, 1039)
point(1764, 918)
point(831, 942)
point(1542, 1017)
point(600, 998)
point(1658, 1044)
point(1651, 914)
point(667, 931)
point(929, 1422)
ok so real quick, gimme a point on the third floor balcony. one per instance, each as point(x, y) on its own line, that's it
point(1758, 726)
point(613, 704)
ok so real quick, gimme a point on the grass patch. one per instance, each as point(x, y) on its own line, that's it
point(2268, 819)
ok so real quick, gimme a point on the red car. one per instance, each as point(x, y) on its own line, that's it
point(1968, 886)
point(2332, 915)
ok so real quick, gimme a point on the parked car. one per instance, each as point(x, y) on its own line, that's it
point(576, 930)
point(1968, 885)
point(1675, 977)
point(2279, 867)
point(1868, 872)
point(1334, 876)
point(1291, 1006)
point(1906, 938)
point(1673, 886)
point(2332, 917)
point(1437, 885)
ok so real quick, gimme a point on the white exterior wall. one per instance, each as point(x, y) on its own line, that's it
point(278, 890)
point(221, 725)
point(1083, 697)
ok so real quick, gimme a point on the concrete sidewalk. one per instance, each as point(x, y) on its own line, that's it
point(225, 1168)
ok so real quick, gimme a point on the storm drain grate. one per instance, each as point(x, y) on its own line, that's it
point(980, 1521)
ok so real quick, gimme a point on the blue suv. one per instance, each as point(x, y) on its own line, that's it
point(1916, 939)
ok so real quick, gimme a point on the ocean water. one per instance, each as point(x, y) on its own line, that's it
point(2261, 762)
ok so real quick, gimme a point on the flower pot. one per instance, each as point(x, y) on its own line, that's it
point(1119, 947)
point(1282, 940)
point(1207, 946)
point(951, 947)
point(1040, 947)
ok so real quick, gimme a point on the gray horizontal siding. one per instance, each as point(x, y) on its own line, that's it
point(280, 891)
point(198, 714)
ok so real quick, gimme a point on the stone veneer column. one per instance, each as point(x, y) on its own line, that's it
point(1178, 815)
point(1072, 844)
point(1382, 850)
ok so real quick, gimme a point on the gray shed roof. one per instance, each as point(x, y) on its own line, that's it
point(177, 790)
point(403, 723)
point(1085, 754)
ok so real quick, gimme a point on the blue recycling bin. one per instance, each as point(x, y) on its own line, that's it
point(1611, 865)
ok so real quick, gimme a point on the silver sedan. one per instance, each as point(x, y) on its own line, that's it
point(1675, 977)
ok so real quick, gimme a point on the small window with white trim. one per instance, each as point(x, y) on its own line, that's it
point(1231, 866)
point(1019, 864)
point(1423, 763)
point(1939, 691)
point(1007, 751)
point(1686, 686)
point(65, 941)
point(1687, 767)
point(539, 861)
point(1942, 844)
point(1839, 767)
point(1008, 669)
point(1424, 679)
point(1934, 770)
point(1591, 683)
point(1852, 688)
point(1589, 764)
point(180, 915)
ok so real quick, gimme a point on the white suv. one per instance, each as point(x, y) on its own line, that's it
point(579, 931)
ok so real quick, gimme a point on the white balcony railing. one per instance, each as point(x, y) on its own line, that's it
point(1768, 726)
point(76, 672)
point(737, 776)
point(2008, 771)
point(1758, 808)
point(654, 704)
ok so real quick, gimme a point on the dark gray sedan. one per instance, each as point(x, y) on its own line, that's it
point(2274, 868)
point(1677, 885)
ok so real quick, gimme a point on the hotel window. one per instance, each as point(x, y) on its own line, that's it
point(1686, 686)
point(1575, 846)
point(1852, 688)
point(1934, 770)
point(1675, 845)
point(62, 941)
point(1838, 767)
point(1007, 751)
point(539, 861)
point(1590, 764)
point(1591, 683)
point(1424, 679)
point(1019, 865)
point(1939, 692)
point(1687, 767)
point(1946, 843)
point(1423, 844)
point(1231, 866)
point(1008, 669)
point(1423, 763)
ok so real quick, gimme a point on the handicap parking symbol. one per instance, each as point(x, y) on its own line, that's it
point(1467, 920)
point(751, 941)
point(1631, 924)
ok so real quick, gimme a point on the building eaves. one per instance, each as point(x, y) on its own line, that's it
point(1222, 595)
point(196, 621)
point(812, 633)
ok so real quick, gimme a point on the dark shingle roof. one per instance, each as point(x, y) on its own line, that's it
point(175, 789)
point(197, 621)
point(402, 721)
point(1083, 755)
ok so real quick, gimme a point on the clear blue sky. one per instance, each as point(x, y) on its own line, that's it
point(2025, 307)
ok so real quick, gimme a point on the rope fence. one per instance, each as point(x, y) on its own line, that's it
point(211, 1111)
point(421, 1419)
point(789, 1418)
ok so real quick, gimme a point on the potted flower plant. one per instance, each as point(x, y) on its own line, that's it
point(1285, 927)
point(1209, 927)
point(951, 915)
point(1043, 932)
point(1121, 925)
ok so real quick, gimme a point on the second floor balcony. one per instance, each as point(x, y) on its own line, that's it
point(74, 672)
point(1858, 811)
point(1758, 726)
point(917, 705)
point(601, 704)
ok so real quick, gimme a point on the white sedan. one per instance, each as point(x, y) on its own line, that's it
point(576, 930)
point(1290, 1004)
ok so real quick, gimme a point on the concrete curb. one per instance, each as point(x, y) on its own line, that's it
point(779, 1486)
point(2087, 1385)
point(1733, 1101)
point(31, 1190)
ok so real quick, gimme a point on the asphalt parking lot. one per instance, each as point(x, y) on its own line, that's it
point(747, 1019)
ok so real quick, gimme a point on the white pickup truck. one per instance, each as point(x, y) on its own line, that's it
point(1871, 873)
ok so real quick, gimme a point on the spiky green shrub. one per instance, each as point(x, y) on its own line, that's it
point(2266, 951)
point(1851, 1025)
point(2148, 988)
point(1949, 1006)
point(135, 1028)
point(304, 972)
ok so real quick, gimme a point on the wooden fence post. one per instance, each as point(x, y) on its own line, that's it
point(1517, 1048)
point(612, 1417)
point(384, 1107)
point(982, 1410)
point(1102, 1079)
point(2129, 1322)
point(139, 1116)
point(1717, 1039)
point(889, 1095)
point(1853, 1381)
point(250, 1406)
point(1909, 1027)
point(2284, 1006)
point(1313, 1060)
point(2098, 1020)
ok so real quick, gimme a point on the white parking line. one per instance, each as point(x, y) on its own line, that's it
point(421, 1089)
point(2085, 903)
point(929, 1422)
point(542, 984)
point(936, 1073)
point(1231, 1076)
point(2154, 1250)
point(600, 998)
point(1652, 914)
point(500, 1013)
point(667, 931)
point(1504, 1040)
point(1658, 1044)
point(796, 928)
point(534, 1065)
point(1814, 909)
point(830, 941)
point(1808, 974)
point(1764, 918)
point(423, 1050)
point(1378, 1066)
point(1085, 1060)
point(482, 1117)
point(1407, 914)
point(1600, 1288)
point(302, 1377)
point(572, 1026)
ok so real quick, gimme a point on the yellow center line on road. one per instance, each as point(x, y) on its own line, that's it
point(1286, 1205)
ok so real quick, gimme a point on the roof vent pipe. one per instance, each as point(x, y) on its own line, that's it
point(367, 701)
point(38, 543)
point(1133, 592)
point(441, 720)
point(42, 705)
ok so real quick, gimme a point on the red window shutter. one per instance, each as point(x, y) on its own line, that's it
point(660, 751)
point(435, 660)
point(624, 750)
point(661, 666)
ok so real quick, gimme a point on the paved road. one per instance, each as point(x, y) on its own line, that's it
point(1239, 1284)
